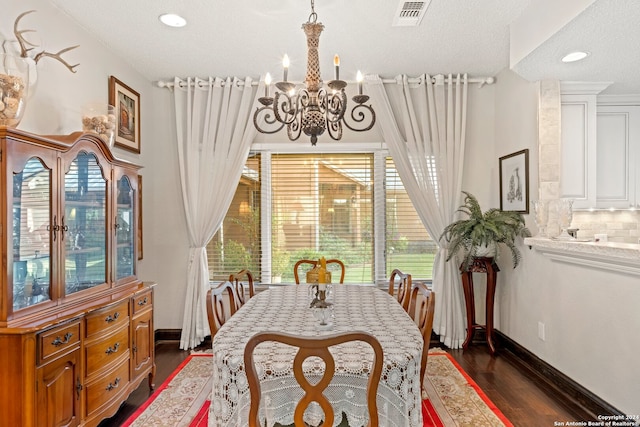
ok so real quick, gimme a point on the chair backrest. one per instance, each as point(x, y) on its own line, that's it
point(243, 284)
point(314, 263)
point(221, 305)
point(307, 347)
point(421, 310)
point(403, 281)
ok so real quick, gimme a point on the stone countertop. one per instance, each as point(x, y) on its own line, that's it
point(619, 257)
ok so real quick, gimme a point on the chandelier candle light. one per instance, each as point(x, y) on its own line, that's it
point(312, 109)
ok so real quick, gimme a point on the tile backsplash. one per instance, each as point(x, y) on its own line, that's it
point(620, 226)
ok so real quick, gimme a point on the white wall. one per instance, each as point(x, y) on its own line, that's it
point(590, 316)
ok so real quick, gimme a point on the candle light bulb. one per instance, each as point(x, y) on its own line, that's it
point(336, 64)
point(359, 79)
point(267, 84)
point(285, 65)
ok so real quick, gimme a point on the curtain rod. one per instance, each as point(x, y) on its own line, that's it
point(205, 82)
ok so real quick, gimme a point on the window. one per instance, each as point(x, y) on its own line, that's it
point(408, 245)
point(303, 206)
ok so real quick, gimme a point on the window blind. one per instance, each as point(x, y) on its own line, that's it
point(322, 207)
point(409, 247)
point(322, 204)
point(236, 246)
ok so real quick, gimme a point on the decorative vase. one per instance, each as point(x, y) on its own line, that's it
point(541, 216)
point(14, 85)
point(565, 215)
point(100, 119)
point(486, 251)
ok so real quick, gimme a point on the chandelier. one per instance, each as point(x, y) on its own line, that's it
point(312, 109)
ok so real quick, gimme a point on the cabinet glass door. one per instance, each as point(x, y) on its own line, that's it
point(31, 235)
point(124, 229)
point(84, 224)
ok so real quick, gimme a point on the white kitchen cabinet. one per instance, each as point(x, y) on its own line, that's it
point(618, 147)
point(600, 148)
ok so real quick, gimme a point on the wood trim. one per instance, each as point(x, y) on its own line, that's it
point(584, 403)
point(167, 335)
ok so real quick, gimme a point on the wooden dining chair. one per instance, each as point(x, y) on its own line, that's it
point(421, 310)
point(243, 284)
point(221, 305)
point(400, 287)
point(313, 263)
point(308, 347)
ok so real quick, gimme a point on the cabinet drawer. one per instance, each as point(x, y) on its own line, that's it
point(108, 387)
point(58, 340)
point(110, 317)
point(106, 351)
point(142, 302)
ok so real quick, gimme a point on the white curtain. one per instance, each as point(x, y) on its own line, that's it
point(214, 134)
point(423, 125)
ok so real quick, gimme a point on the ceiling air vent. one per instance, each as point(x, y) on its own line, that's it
point(410, 13)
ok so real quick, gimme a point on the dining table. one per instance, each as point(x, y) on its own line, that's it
point(287, 309)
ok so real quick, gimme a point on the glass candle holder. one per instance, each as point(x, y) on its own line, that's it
point(565, 215)
point(14, 85)
point(541, 216)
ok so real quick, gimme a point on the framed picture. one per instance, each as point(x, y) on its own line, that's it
point(127, 109)
point(139, 236)
point(514, 182)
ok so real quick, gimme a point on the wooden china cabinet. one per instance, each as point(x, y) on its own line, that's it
point(76, 324)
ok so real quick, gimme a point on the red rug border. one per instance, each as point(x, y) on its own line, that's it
point(429, 413)
point(477, 389)
point(163, 386)
point(430, 416)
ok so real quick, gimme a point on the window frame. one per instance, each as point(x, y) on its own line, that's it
point(380, 154)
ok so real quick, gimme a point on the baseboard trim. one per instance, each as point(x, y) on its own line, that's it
point(167, 334)
point(583, 402)
point(174, 335)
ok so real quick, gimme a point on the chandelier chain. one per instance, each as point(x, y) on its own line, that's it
point(313, 17)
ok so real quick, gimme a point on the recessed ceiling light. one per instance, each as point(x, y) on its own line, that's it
point(575, 56)
point(172, 20)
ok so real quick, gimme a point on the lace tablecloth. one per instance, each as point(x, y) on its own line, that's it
point(286, 309)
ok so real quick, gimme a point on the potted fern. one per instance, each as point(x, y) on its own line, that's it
point(480, 233)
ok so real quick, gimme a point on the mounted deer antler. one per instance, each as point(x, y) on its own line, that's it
point(26, 46)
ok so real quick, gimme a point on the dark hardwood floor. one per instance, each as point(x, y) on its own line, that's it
point(522, 398)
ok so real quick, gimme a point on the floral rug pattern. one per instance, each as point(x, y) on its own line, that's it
point(180, 398)
point(183, 400)
point(457, 400)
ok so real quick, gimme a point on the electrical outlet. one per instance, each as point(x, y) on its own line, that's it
point(541, 334)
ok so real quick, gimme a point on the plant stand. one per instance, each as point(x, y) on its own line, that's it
point(490, 268)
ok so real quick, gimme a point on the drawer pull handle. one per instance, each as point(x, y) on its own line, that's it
point(58, 341)
point(113, 318)
point(111, 350)
point(142, 301)
point(78, 387)
point(114, 385)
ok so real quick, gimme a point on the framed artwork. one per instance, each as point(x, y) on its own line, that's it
point(127, 109)
point(514, 182)
point(139, 236)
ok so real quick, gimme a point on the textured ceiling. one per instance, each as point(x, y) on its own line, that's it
point(249, 38)
point(610, 31)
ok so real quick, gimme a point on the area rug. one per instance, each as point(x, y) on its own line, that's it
point(450, 397)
